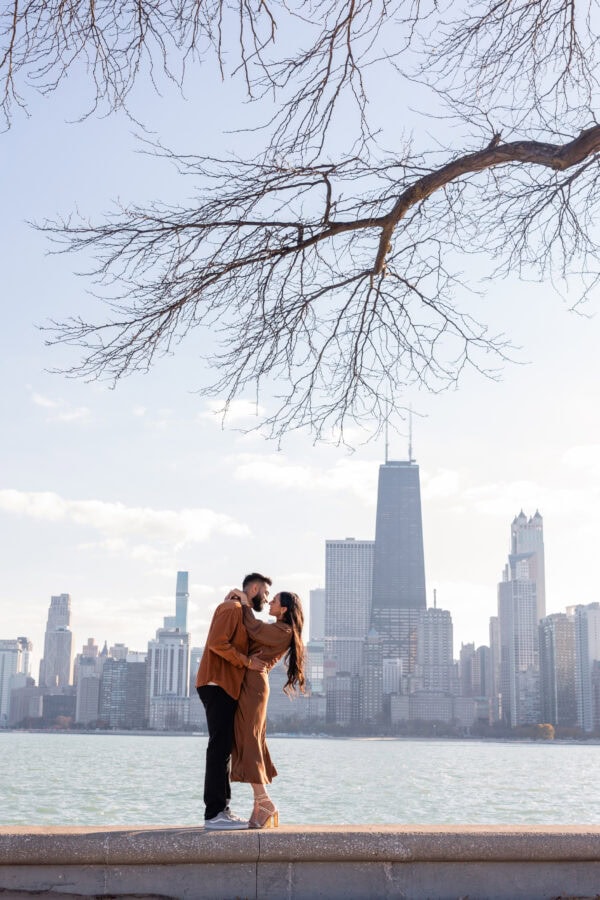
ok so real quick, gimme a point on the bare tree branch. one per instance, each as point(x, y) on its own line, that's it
point(333, 302)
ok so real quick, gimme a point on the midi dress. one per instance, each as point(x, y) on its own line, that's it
point(250, 758)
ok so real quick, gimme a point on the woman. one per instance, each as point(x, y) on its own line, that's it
point(250, 759)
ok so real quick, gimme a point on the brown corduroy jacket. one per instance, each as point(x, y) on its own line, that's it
point(225, 658)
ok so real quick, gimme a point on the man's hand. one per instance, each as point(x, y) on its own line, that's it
point(257, 664)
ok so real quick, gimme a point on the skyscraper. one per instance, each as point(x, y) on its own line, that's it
point(168, 666)
point(317, 614)
point(527, 538)
point(14, 669)
point(169, 679)
point(398, 566)
point(518, 616)
point(179, 620)
point(435, 663)
point(348, 581)
point(557, 669)
point(587, 662)
point(55, 667)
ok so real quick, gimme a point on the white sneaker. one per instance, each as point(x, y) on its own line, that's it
point(225, 821)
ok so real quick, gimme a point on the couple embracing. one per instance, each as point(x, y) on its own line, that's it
point(233, 685)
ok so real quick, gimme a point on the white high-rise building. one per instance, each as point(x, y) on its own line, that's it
point(519, 608)
point(348, 586)
point(348, 591)
point(169, 679)
point(14, 670)
point(527, 538)
point(57, 662)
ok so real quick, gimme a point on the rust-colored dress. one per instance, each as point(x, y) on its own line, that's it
point(250, 759)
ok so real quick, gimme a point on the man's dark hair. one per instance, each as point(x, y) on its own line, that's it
point(256, 576)
point(257, 602)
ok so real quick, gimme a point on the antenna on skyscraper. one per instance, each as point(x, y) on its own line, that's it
point(435, 598)
point(410, 454)
point(387, 434)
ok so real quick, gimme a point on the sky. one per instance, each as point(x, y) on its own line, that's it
point(105, 494)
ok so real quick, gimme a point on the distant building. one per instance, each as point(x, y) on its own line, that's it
point(56, 664)
point(88, 659)
point(87, 703)
point(392, 676)
point(527, 538)
point(284, 711)
point(435, 663)
point(118, 651)
point(348, 582)
point(122, 697)
point(495, 681)
point(197, 716)
point(168, 667)
point(557, 670)
point(113, 691)
point(467, 666)
point(168, 679)
point(519, 607)
point(136, 695)
point(14, 672)
point(372, 705)
point(431, 706)
point(25, 704)
point(314, 665)
point(587, 656)
point(344, 699)
point(179, 620)
point(316, 620)
point(58, 707)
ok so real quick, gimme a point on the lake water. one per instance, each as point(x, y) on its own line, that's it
point(80, 779)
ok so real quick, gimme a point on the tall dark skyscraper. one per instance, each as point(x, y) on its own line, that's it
point(399, 567)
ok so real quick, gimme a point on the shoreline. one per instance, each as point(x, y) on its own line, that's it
point(592, 741)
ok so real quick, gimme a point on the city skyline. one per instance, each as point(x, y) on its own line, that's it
point(373, 667)
point(516, 543)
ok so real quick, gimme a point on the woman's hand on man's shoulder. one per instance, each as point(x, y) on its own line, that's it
point(236, 596)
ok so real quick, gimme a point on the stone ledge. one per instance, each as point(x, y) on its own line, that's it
point(146, 845)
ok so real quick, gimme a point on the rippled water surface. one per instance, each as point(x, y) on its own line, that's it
point(79, 779)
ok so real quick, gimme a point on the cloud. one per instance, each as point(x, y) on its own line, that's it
point(59, 410)
point(346, 476)
point(117, 521)
point(44, 402)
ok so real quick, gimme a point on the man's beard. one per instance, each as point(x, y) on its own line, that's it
point(257, 603)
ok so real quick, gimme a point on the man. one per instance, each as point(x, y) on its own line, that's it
point(219, 681)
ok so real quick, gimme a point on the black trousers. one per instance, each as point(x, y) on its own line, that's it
point(220, 710)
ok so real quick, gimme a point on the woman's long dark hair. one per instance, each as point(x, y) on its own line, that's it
point(294, 658)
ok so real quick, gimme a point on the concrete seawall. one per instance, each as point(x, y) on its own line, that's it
point(353, 863)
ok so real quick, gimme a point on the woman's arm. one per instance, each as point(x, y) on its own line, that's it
point(269, 634)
